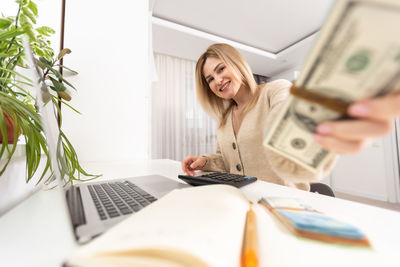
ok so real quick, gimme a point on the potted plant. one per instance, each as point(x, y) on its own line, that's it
point(18, 114)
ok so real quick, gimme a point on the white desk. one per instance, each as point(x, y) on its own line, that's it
point(37, 232)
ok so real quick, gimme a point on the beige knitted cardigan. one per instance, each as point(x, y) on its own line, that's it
point(245, 154)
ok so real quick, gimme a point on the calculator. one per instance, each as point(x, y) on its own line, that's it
point(236, 180)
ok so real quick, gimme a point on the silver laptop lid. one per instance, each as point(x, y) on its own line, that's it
point(48, 115)
point(51, 130)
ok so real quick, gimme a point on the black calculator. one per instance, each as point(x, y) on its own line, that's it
point(236, 180)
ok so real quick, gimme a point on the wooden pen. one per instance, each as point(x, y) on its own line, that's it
point(249, 257)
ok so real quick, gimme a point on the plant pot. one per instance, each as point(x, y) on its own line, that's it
point(10, 129)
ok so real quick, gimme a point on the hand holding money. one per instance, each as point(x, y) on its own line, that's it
point(349, 136)
point(356, 58)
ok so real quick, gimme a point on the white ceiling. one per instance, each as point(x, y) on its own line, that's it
point(273, 35)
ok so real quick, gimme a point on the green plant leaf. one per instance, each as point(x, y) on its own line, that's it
point(43, 50)
point(10, 33)
point(46, 31)
point(21, 2)
point(59, 76)
point(64, 67)
point(23, 20)
point(33, 7)
point(65, 103)
point(40, 64)
point(45, 61)
point(5, 23)
point(27, 12)
point(15, 73)
point(29, 32)
point(73, 158)
point(38, 52)
point(58, 87)
point(49, 53)
point(3, 126)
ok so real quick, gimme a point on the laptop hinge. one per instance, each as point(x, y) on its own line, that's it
point(75, 206)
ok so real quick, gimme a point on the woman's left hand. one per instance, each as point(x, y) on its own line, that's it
point(373, 119)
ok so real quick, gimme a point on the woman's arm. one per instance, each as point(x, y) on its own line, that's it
point(208, 162)
point(215, 162)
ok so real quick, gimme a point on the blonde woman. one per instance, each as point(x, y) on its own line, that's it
point(244, 110)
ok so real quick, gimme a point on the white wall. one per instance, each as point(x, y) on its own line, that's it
point(109, 50)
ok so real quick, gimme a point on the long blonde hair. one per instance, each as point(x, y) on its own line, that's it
point(215, 106)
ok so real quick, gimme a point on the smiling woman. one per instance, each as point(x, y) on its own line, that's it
point(244, 111)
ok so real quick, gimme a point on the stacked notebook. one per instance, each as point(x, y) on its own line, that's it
point(307, 222)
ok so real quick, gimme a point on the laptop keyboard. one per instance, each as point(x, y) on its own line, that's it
point(114, 199)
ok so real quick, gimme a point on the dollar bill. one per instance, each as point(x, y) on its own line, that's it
point(356, 56)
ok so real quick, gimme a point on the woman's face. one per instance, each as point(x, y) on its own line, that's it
point(220, 78)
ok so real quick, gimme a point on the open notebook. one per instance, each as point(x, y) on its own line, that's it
point(204, 226)
point(201, 226)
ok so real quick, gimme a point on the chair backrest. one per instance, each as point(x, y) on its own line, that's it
point(322, 189)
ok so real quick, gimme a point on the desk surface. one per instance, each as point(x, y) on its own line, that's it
point(37, 232)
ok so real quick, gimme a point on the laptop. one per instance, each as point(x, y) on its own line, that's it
point(93, 207)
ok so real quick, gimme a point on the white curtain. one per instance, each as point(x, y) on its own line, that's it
point(180, 127)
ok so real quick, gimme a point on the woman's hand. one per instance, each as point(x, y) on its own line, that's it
point(192, 163)
point(374, 119)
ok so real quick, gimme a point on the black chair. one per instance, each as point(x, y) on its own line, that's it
point(322, 189)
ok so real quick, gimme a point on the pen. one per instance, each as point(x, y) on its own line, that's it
point(249, 256)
